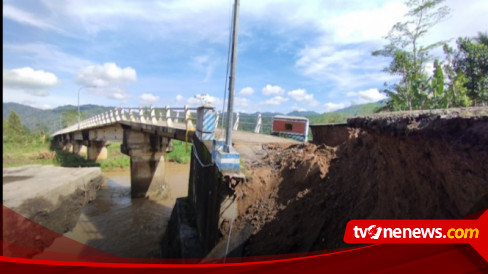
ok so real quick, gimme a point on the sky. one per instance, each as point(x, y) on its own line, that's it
point(292, 55)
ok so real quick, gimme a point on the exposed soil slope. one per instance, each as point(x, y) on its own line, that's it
point(410, 166)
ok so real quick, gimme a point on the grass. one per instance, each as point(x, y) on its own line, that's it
point(41, 152)
point(27, 152)
point(115, 159)
point(181, 152)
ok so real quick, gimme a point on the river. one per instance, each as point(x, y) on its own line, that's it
point(127, 227)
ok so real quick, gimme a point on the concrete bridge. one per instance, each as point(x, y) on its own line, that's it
point(146, 135)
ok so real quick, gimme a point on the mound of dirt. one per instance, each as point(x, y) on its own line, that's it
point(300, 197)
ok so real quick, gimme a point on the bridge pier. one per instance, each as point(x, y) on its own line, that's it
point(146, 153)
point(68, 146)
point(80, 148)
point(147, 175)
point(97, 150)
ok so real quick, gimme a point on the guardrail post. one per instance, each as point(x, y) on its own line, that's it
point(236, 124)
point(169, 122)
point(131, 115)
point(141, 115)
point(153, 116)
point(206, 118)
point(177, 116)
point(189, 124)
point(118, 114)
point(257, 129)
point(122, 114)
point(111, 115)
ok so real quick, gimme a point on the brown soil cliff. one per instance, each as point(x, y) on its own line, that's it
point(415, 165)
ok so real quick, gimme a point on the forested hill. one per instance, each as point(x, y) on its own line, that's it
point(48, 120)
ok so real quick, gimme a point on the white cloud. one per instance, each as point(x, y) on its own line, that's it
point(113, 93)
point(202, 99)
point(36, 104)
point(301, 95)
point(366, 96)
point(297, 108)
point(330, 107)
point(205, 63)
point(275, 101)
point(246, 91)
point(365, 23)
point(105, 75)
point(31, 81)
point(25, 18)
point(179, 98)
point(273, 90)
point(148, 98)
point(47, 56)
point(241, 102)
point(345, 68)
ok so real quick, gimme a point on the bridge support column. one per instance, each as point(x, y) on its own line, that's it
point(146, 153)
point(79, 148)
point(97, 150)
point(68, 146)
point(147, 175)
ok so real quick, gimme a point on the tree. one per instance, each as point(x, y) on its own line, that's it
point(437, 86)
point(456, 91)
point(14, 124)
point(409, 56)
point(472, 61)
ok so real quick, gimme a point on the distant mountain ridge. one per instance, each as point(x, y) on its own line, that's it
point(34, 118)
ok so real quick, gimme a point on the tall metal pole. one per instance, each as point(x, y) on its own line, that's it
point(79, 112)
point(233, 60)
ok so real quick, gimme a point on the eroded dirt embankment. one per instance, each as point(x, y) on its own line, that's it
point(403, 166)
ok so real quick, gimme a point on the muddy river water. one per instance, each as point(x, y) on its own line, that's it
point(127, 227)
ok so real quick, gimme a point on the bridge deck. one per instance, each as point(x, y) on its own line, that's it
point(250, 144)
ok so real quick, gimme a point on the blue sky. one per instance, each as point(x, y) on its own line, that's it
point(292, 55)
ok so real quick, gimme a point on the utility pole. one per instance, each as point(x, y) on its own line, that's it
point(79, 112)
point(233, 60)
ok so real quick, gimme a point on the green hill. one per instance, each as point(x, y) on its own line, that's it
point(341, 115)
point(48, 119)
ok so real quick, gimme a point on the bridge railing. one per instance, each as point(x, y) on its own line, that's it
point(255, 126)
point(167, 115)
point(151, 115)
